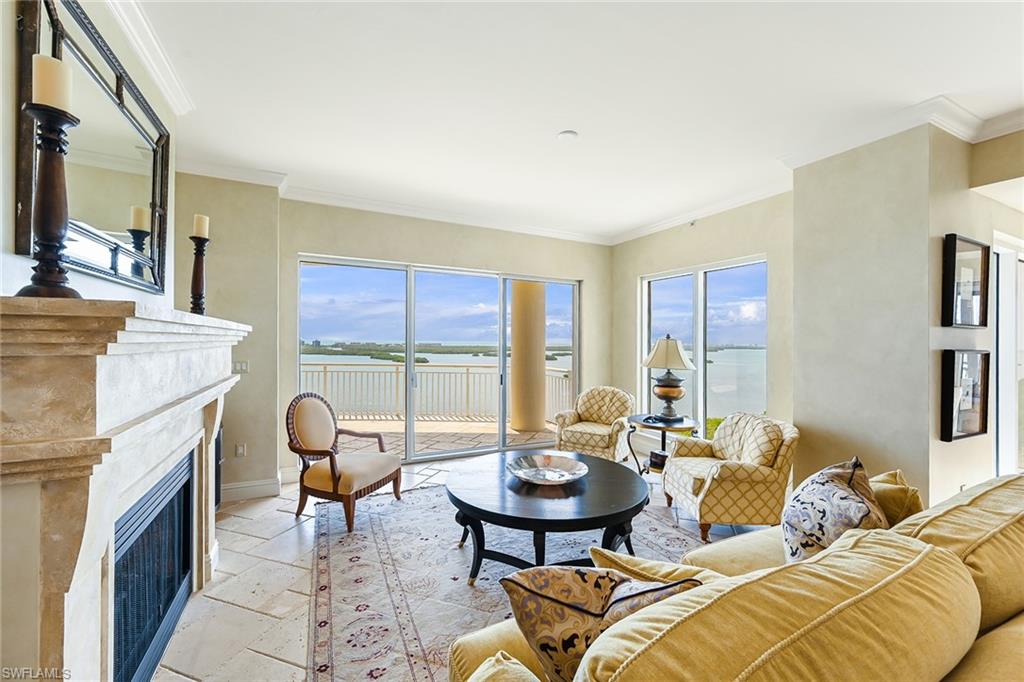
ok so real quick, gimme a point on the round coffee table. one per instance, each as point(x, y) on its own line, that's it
point(482, 490)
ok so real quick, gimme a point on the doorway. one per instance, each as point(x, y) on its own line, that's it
point(443, 362)
point(1009, 360)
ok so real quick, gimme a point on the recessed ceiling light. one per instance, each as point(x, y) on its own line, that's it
point(568, 135)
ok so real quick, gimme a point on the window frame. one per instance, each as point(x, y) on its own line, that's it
point(699, 273)
point(410, 270)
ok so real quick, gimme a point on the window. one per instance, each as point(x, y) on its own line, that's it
point(670, 311)
point(420, 354)
point(720, 315)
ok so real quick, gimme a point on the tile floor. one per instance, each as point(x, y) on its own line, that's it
point(251, 622)
point(439, 435)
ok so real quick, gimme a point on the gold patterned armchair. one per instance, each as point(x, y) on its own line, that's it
point(597, 425)
point(739, 477)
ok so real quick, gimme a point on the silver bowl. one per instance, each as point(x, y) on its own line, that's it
point(547, 469)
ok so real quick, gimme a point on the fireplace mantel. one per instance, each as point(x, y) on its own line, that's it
point(99, 400)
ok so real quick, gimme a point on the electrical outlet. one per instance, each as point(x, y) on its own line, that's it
point(963, 486)
point(239, 449)
point(240, 367)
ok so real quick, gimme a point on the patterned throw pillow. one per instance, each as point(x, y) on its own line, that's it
point(501, 667)
point(825, 506)
point(561, 610)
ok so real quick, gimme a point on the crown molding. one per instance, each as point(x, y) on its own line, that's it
point(939, 111)
point(315, 196)
point(1004, 124)
point(133, 22)
point(734, 201)
point(214, 170)
point(285, 190)
point(123, 164)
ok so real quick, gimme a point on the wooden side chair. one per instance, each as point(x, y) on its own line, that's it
point(313, 436)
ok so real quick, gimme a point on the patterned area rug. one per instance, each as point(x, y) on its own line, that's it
point(390, 597)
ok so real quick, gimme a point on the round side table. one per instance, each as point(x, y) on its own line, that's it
point(653, 422)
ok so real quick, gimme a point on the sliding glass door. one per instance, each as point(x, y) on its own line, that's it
point(441, 362)
point(456, 377)
point(540, 358)
point(352, 349)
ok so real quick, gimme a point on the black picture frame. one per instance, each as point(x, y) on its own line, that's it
point(126, 98)
point(970, 312)
point(958, 367)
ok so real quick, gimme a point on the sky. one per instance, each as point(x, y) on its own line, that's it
point(349, 303)
point(736, 306)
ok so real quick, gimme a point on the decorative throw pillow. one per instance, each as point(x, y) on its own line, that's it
point(825, 506)
point(501, 667)
point(561, 610)
point(650, 569)
point(897, 498)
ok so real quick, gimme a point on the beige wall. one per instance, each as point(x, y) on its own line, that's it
point(868, 340)
point(762, 228)
point(103, 197)
point(853, 260)
point(349, 233)
point(250, 218)
point(998, 159)
point(241, 285)
point(14, 269)
point(861, 286)
point(955, 208)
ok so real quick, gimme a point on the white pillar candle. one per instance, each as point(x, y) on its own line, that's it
point(51, 82)
point(140, 218)
point(201, 226)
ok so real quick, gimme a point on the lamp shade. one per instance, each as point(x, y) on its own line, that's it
point(668, 353)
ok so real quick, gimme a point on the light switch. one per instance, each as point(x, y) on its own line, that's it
point(240, 367)
point(239, 449)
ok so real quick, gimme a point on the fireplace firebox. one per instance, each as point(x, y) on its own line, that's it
point(152, 573)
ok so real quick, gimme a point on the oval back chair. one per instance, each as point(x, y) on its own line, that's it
point(313, 435)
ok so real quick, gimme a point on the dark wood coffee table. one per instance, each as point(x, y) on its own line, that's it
point(483, 491)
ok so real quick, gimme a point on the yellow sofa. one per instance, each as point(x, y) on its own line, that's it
point(940, 595)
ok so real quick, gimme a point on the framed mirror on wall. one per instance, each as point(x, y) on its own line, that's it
point(117, 165)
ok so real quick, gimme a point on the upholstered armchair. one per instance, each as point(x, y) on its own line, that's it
point(739, 477)
point(313, 436)
point(597, 425)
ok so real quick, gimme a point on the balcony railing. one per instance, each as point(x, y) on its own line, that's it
point(444, 392)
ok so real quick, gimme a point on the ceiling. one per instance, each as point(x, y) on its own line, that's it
point(1009, 192)
point(451, 111)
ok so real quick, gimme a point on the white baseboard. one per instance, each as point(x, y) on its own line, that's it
point(233, 492)
point(289, 474)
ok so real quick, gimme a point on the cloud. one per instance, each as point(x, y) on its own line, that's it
point(347, 303)
point(742, 312)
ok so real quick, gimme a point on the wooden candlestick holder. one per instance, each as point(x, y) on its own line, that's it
point(139, 244)
point(50, 203)
point(199, 275)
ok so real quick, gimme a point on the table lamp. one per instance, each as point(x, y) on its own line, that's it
point(668, 354)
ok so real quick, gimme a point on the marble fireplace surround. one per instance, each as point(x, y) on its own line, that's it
point(98, 400)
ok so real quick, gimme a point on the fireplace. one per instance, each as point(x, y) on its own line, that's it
point(104, 404)
point(152, 572)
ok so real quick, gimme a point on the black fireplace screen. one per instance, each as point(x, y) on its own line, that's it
point(152, 573)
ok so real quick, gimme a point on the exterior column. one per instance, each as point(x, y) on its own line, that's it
point(526, 371)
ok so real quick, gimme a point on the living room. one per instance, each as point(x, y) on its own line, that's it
point(704, 265)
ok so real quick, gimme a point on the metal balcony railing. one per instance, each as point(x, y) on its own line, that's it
point(444, 392)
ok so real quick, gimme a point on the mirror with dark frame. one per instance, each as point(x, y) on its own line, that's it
point(117, 163)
